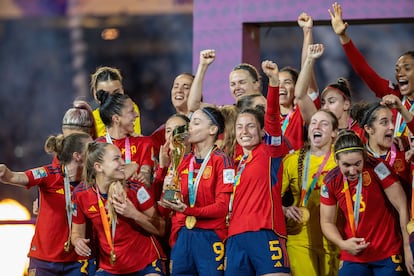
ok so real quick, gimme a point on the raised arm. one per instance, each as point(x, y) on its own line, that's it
point(194, 98)
point(13, 178)
point(375, 82)
point(305, 21)
point(338, 24)
point(305, 103)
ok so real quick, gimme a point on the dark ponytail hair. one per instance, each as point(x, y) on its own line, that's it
point(111, 104)
point(216, 117)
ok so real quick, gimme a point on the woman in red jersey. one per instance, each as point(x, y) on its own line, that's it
point(369, 195)
point(336, 97)
point(257, 231)
point(50, 251)
point(126, 234)
point(404, 70)
point(118, 114)
point(205, 179)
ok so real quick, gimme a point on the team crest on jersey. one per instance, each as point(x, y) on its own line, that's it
point(39, 173)
point(228, 176)
point(184, 171)
point(142, 195)
point(207, 172)
point(324, 191)
point(60, 191)
point(366, 179)
point(398, 165)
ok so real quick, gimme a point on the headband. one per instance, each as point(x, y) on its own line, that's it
point(337, 90)
point(210, 115)
point(349, 149)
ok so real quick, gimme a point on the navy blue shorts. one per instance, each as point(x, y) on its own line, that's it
point(155, 267)
point(256, 253)
point(197, 252)
point(78, 268)
point(393, 265)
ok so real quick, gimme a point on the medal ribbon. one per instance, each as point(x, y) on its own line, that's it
point(391, 155)
point(400, 124)
point(353, 213)
point(240, 168)
point(305, 193)
point(193, 186)
point(68, 201)
point(286, 121)
point(105, 222)
point(127, 147)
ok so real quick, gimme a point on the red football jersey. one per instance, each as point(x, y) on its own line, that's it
point(52, 228)
point(257, 199)
point(212, 197)
point(141, 149)
point(377, 221)
point(134, 248)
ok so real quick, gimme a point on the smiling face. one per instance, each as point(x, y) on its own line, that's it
point(381, 131)
point(128, 117)
point(248, 131)
point(242, 83)
point(321, 132)
point(179, 92)
point(286, 89)
point(351, 164)
point(112, 166)
point(404, 74)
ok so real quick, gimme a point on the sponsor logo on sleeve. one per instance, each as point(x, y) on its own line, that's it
point(39, 173)
point(142, 195)
point(228, 176)
point(382, 171)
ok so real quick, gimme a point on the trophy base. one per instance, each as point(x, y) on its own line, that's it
point(171, 195)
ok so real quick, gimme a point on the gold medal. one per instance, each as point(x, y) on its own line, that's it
point(112, 258)
point(410, 226)
point(190, 222)
point(66, 246)
point(305, 214)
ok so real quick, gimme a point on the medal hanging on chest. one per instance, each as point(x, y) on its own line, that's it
point(190, 221)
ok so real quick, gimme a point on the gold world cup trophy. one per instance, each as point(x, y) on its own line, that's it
point(172, 192)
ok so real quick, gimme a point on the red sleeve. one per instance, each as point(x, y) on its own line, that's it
point(376, 83)
point(224, 187)
point(272, 115)
point(327, 193)
point(78, 217)
point(147, 151)
point(140, 196)
point(37, 176)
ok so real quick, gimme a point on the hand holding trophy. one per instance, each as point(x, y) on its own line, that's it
point(172, 192)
